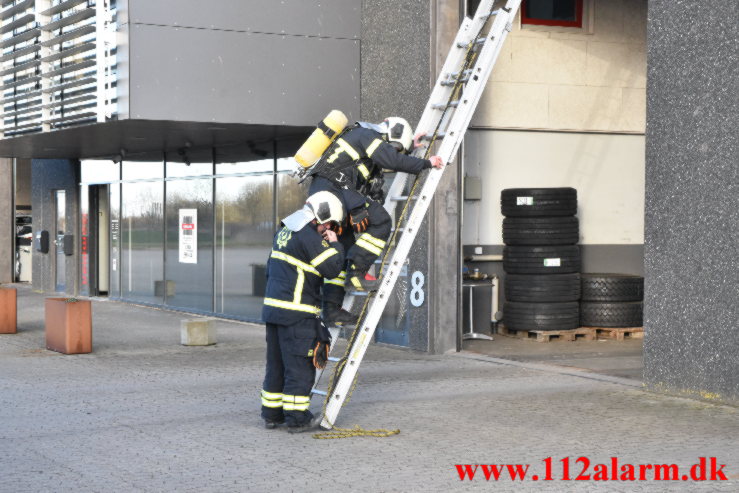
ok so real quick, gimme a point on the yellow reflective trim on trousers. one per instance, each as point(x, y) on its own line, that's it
point(375, 241)
point(363, 169)
point(271, 395)
point(292, 260)
point(368, 246)
point(291, 306)
point(319, 259)
point(373, 147)
point(272, 404)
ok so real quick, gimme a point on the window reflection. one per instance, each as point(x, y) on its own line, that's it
point(143, 170)
point(142, 241)
point(244, 229)
point(291, 195)
point(190, 280)
point(99, 171)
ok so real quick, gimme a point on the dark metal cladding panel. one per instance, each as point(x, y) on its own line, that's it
point(326, 18)
point(236, 77)
point(692, 200)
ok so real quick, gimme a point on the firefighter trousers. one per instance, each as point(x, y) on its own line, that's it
point(290, 372)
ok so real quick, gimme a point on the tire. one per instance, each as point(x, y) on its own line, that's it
point(612, 287)
point(541, 230)
point(541, 316)
point(562, 259)
point(533, 202)
point(612, 315)
point(542, 288)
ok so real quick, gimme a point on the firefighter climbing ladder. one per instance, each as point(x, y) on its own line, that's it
point(444, 121)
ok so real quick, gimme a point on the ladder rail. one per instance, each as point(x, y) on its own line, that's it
point(454, 132)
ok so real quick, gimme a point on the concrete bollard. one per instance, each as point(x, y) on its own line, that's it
point(197, 332)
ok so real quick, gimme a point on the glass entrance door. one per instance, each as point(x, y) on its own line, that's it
point(60, 227)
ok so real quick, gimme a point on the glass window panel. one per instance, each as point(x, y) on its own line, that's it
point(115, 241)
point(286, 149)
point(189, 264)
point(562, 10)
point(100, 171)
point(245, 158)
point(291, 195)
point(143, 170)
point(85, 240)
point(142, 238)
point(244, 230)
point(177, 170)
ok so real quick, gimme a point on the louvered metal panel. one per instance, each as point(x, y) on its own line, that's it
point(60, 69)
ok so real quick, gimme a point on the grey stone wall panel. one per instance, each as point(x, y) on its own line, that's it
point(692, 199)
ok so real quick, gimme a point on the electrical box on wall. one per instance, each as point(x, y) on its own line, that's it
point(472, 188)
point(41, 241)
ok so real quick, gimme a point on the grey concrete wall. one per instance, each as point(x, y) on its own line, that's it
point(692, 199)
point(7, 221)
point(48, 175)
point(276, 63)
point(396, 59)
point(445, 212)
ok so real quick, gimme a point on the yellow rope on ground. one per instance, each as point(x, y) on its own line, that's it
point(357, 431)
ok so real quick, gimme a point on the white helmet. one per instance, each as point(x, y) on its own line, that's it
point(322, 206)
point(399, 133)
point(326, 207)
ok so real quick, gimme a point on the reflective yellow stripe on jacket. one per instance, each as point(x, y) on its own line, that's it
point(319, 259)
point(301, 268)
point(373, 147)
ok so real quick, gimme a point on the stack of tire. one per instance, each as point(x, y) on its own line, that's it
point(612, 300)
point(541, 259)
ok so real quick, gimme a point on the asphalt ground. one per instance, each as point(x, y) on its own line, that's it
point(143, 413)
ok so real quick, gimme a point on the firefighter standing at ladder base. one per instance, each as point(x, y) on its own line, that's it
point(304, 252)
point(351, 169)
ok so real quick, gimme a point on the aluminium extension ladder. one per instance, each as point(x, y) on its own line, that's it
point(444, 121)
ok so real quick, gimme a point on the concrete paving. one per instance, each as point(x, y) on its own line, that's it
point(606, 356)
point(143, 413)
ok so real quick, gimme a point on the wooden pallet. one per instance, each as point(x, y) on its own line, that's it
point(585, 334)
point(618, 334)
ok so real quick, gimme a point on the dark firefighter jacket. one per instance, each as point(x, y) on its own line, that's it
point(295, 270)
point(359, 155)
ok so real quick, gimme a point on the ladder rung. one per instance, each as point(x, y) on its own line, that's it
point(454, 81)
point(358, 293)
point(319, 392)
point(490, 14)
point(443, 106)
point(439, 135)
point(478, 41)
point(334, 359)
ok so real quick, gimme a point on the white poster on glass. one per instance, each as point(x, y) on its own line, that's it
point(188, 236)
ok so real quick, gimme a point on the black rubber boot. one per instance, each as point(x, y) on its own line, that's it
point(271, 425)
point(313, 425)
point(333, 314)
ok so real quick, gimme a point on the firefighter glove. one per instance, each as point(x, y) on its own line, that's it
point(359, 220)
point(320, 355)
